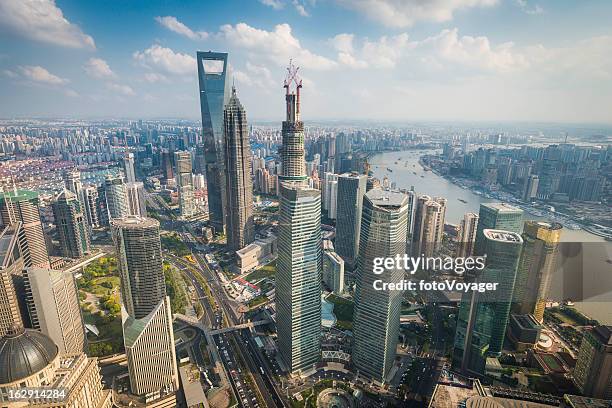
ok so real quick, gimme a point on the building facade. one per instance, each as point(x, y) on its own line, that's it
point(136, 198)
point(467, 235)
point(116, 197)
point(145, 308)
point(239, 186)
point(593, 372)
point(214, 82)
point(377, 312)
point(351, 189)
point(71, 225)
point(184, 183)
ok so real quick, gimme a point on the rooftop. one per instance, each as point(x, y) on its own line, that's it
point(135, 222)
point(387, 198)
point(502, 207)
point(18, 195)
point(502, 236)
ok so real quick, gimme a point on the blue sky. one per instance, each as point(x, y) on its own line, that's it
point(400, 60)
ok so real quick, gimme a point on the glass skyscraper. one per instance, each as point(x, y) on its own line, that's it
point(384, 227)
point(214, 80)
point(298, 279)
point(351, 188)
point(483, 317)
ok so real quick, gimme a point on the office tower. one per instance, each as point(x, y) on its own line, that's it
point(377, 312)
point(199, 159)
point(22, 206)
point(332, 199)
point(531, 187)
point(467, 235)
point(428, 225)
point(499, 216)
point(333, 269)
point(325, 189)
point(184, 183)
point(239, 187)
point(70, 223)
point(30, 358)
point(536, 267)
point(90, 194)
point(116, 196)
point(298, 279)
point(10, 271)
point(136, 199)
point(166, 164)
point(53, 305)
point(214, 81)
point(483, 317)
point(351, 188)
point(128, 166)
point(593, 371)
point(145, 308)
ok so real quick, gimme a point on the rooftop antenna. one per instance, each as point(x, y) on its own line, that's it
point(293, 77)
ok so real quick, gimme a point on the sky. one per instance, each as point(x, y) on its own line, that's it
point(382, 60)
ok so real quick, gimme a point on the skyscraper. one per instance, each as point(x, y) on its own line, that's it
point(71, 226)
point(467, 235)
point(531, 187)
point(11, 265)
point(429, 219)
point(593, 371)
point(351, 188)
point(536, 266)
point(499, 216)
point(239, 186)
point(22, 206)
point(136, 198)
point(128, 165)
point(90, 193)
point(53, 305)
point(145, 308)
point(483, 317)
point(214, 81)
point(184, 183)
point(298, 280)
point(377, 312)
point(116, 196)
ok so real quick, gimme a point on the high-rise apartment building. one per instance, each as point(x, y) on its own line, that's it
point(136, 198)
point(11, 265)
point(22, 206)
point(184, 183)
point(71, 225)
point(145, 308)
point(428, 229)
point(483, 317)
point(332, 199)
point(53, 305)
point(214, 81)
point(351, 189)
point(239, 186)
point(377, 312)
point(128, 166)
point(90, 194)
point(467, 235)
point(333, 269)
point(298, 279)
point(116, 196)
point(593, 371)
point(536, 267)
point(530, 190)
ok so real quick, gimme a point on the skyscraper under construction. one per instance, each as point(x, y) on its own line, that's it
point(298, 280)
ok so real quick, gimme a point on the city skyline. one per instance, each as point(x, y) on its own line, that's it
point(444, 61)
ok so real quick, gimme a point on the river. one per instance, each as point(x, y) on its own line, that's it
point(406, 172)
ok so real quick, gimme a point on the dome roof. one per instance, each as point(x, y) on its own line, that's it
point(23, 353)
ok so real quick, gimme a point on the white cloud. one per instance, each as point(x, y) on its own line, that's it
point(40, 75)
point(155, 77)
point(99, 69)
point(174, 25)
point(275, 4)
point(166, 60)
point(385, 52)
point(71, 93)
point(404, 13)
point(255, 75)
point(279, 45)
point(42, 20)
point(9, 74)
point(299, 7)
point(124, 90)
point(343, 42)
point(524, 5)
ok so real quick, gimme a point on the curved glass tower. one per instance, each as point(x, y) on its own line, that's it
point(213, 77)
